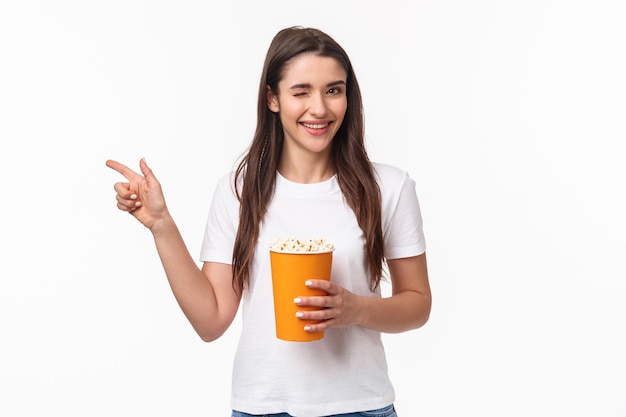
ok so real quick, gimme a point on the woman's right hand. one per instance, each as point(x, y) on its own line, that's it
point(141, 196)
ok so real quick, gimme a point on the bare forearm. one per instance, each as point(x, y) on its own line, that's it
point(409, 306)
point(404, 311)
point(191, 288)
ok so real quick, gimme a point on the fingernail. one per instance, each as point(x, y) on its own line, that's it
point(297, 300)
point(133, 196)
point(137, 203)
point(307, 328)
point(299, 314)
point(308, 283)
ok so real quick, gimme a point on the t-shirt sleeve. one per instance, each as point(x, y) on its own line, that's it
point(402, 220)
point(221, 226)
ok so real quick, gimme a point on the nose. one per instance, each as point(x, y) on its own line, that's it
point(317, 106)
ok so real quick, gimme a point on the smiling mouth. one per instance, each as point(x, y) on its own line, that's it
point(315, 125)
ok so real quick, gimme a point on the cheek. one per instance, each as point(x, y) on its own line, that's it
point(341, 105)
point(341, 110)
point(291, 108)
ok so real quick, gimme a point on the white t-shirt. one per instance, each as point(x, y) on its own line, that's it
point(346, 371)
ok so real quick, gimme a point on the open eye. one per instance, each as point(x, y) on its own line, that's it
point(334, 91)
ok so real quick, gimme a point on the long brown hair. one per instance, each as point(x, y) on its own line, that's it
point(255, 176)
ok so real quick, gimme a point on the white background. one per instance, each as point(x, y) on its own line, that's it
point(508, 114)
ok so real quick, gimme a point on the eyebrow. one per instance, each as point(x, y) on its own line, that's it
point(308, 85)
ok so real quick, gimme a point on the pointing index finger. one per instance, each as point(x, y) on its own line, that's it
point(122, 169)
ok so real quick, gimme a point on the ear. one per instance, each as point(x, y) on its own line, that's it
point(272, 101)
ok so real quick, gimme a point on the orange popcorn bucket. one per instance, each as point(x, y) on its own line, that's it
point(289, 272)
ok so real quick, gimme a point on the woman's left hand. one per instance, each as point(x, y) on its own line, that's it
point(339, 308)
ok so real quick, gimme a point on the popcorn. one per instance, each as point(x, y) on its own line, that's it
point(293, 245)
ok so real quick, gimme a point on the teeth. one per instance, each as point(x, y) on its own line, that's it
point(315, 126)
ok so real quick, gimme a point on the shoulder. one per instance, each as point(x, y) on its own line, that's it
point(394, 183)
point(225, 186)
point(388, 175)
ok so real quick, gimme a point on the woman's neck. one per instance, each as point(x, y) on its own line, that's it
point(306, 172)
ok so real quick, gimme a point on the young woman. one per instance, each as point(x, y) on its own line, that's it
point(306, 174)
